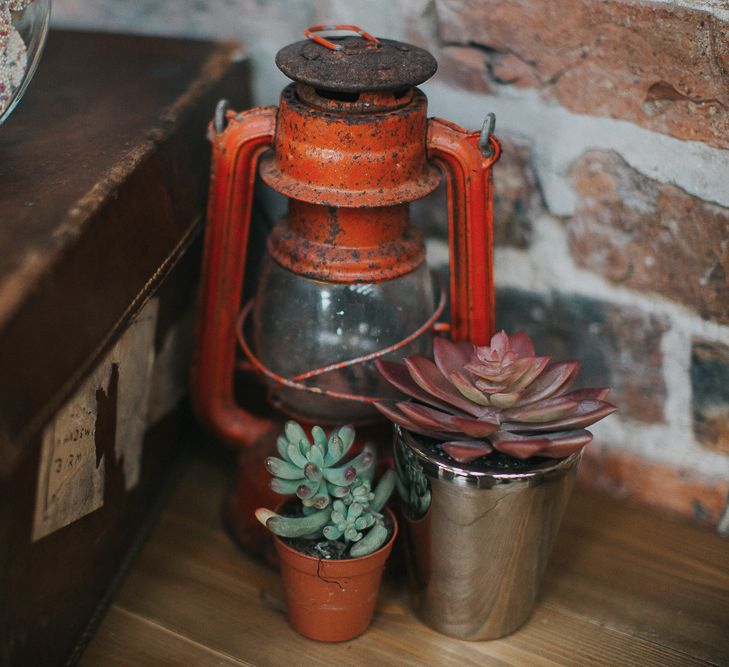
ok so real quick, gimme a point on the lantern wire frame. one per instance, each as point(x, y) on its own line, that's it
point(297, 382)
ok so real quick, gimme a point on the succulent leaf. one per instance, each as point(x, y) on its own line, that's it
point(312, 472)
point(585, 414)
point(449, 358)
point(475, 428)
point(316, 456)
point(283, 469)
point(319, 502)
point(284, 486)
point(294, 432)
point(346, 435)
point(399, 376)
point(371, 542)
point(428, 377)
point(282, 445)
point(468, 388)
point(505, 400)
point(554, 381)
point(537, 365)
point(392, 412)
point(465, 451)
point(427, 417)
point(319, 436)
point(296, 457)
point(332, 532)
point(542, 411)
point(334, 454)
point(343, 476)
point(522, 344)
point(383, 491)
point(292, 526)
point(592, 394)
point(307, 489)
point(364, 460)
point(337, 491)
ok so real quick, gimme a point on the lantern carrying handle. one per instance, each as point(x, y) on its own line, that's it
point(466, 158)
point(310, 33)
point(238, 141)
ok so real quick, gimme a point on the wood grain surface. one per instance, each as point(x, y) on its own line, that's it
point(624, 587)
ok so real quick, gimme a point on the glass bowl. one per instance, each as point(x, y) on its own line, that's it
point(23, 31)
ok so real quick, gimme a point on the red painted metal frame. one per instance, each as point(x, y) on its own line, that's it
point(470, 227)
point(235, 157)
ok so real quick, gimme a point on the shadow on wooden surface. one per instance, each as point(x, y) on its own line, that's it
point(624, 587)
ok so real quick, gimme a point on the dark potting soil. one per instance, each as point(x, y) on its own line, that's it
point(494, 460)
point(325, 549)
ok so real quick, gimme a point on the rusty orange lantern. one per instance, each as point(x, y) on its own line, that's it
point(344, 280)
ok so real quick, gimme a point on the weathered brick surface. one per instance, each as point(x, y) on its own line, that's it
point(517, 200)
point(464, 67)
point(650, 236)
point(710, 391)
point(618, 347)
point(673, 490)
point(662, 66)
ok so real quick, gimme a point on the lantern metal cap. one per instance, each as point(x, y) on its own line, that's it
point(356, 64)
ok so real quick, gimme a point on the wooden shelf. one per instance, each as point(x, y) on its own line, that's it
point(623, 587)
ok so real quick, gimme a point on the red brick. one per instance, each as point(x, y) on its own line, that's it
point(673, 490)
point(650, 236)
point(517, 199)
point(464, 67)
point(710, 394)
point(619, 347)
point(659, 65)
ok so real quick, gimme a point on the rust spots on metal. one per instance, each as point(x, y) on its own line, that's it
point(315, 256)
point(351, 147)
point(340, 159)
point(349, 175)
point(359, 65)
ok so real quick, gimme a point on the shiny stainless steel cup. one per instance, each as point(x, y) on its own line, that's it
point(477, 540)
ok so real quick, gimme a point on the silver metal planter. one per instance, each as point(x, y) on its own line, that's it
point(477, 540)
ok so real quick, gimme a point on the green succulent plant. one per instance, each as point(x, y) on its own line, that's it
point(310, 471)
point(337, 501)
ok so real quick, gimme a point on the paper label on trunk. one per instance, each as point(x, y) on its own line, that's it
point(105, 418)
point(134, 356)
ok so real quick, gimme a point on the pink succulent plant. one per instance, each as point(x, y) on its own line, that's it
point(501, 396)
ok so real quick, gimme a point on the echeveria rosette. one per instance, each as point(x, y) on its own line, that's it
point(500, 396)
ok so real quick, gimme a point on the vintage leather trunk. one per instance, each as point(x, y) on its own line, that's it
point(103, 180)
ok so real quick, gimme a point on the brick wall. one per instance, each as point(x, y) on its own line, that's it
point(612, 197)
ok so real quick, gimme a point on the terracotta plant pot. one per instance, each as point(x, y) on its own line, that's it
point(332, 600)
